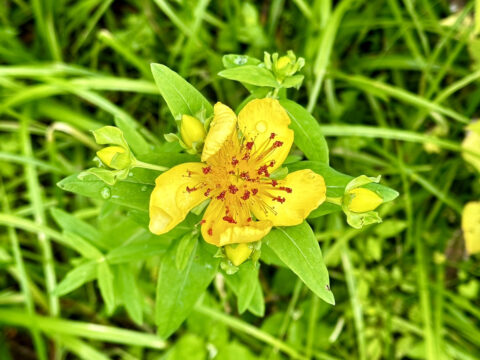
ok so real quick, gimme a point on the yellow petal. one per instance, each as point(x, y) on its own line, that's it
point(191, 130)
point(471, 226)
point(238, 253)
point(472, 143)
point(219, 232)
point(221, 129)
point(363, 200)
point(261, 118)
point(170, 201)
point(292, 199)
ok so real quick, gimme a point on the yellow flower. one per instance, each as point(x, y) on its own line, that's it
point(115, 157)
point(363, 200)
point(192, 130)
point(471, 226)
point(238, 158)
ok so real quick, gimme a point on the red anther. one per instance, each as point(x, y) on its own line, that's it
point(246, 195)
point(246, 156)
point(234, 161)
point(272, 135)
point(229, 219)
point(249, 145)
point(272, 163)
point(263, 170)
point(280, 199)
point(203, 221)
point(274, 183)
point(221, 196)
point(233, 189)
point(189, 173)
point(206, 170)
point(249, 219)
point(277, 144)
point(210, 232)
point(254, 191)
point(231, 172)
point(189, 190)
point(207, 193)
point(287, 189)
point(244, 175)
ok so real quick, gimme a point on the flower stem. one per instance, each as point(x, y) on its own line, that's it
point(145, 165)
point(334, 200)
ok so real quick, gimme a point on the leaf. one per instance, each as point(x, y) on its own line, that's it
point(293, 81)
point(136, 141)
point(180, 96)
point(82, 246)
point(77, 277)
point(105, 283)
point(129, 293)
point(251, 74)
point(233, 60)
point(243, 284)
point(308, 134)
point(178, 291)
point(257, 305)
point(110, 135)
point(126, 193)
point(298, 248)
point(74, 225)
point(184, 250)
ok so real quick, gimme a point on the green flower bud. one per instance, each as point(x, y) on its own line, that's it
point(238, 253)
point(191, 130)
point(115, 157)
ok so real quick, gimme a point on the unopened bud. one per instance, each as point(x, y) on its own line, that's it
point(471, 226)
point(363, 200)
point(114, 157)
point(238, 253)
point(191, 130)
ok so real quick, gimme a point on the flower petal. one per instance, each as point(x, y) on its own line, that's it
point(221, 129)
point(292, 199)
point(220, 232)
point(265, 122)
point(170, 200)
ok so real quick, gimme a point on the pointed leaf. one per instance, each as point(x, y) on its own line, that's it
point(76, 278)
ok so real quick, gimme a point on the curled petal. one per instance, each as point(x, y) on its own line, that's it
point(176, 192)
point(220, 229)
point(265, 122)
point(221, 129)
point(292, 199)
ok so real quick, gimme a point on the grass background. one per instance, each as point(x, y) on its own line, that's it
point(393, 84)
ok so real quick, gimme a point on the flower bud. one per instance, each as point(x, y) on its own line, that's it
point(363, 200)
point(191, 130)
point(282, 63)
point(471, 226)
point(471, 143)
point(238, 253)
point(115, 157)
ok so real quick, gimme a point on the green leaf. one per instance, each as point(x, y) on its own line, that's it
point(308, 135)
point(126, 193)
point(184, 250)
point(105, 283)
point(110, 135)
point(129, 293)
point(74, 225)
point(251, 74)
point(298, 248)
point(180, 96)
point(77, 277)
point(293, 81)
point(243, 284)
point(136, 141)
point(233, 60)
point(178, 291)
point(82, 246)
point(257, 305)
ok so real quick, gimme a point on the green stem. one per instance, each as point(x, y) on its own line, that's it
point(248, 329)
point(145, 165)
point(334, 200)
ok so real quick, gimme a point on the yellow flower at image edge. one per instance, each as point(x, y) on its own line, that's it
point(471, 226)
point(235, 174)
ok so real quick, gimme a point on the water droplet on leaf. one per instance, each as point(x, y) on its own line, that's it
point(106, 193)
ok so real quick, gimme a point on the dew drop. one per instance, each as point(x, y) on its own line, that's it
point(144, 188)
point(106, 193)
point(240, 60)
point(130, 173)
